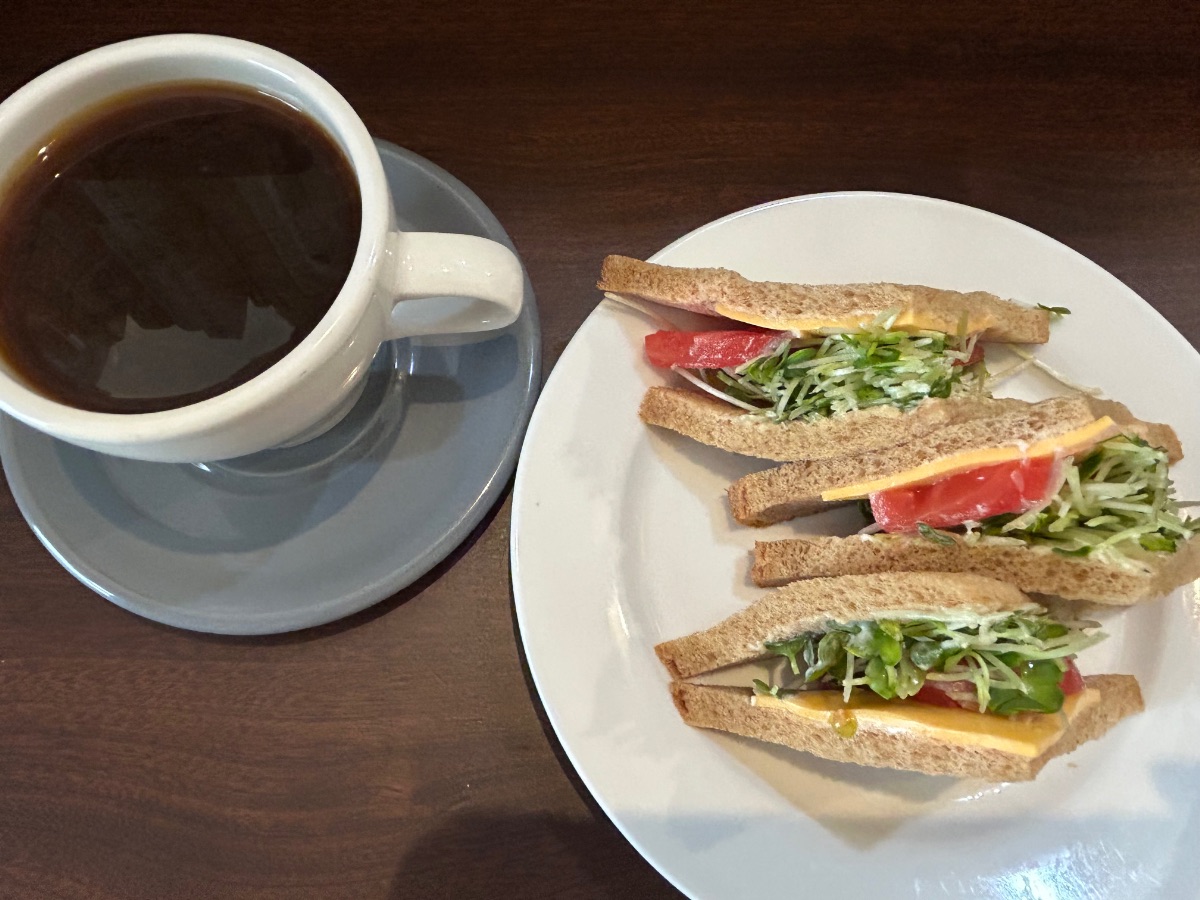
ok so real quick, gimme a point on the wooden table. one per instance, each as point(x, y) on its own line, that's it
point(403, 752)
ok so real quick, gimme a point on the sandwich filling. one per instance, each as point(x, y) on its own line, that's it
point(787, 377)
point(1005, 663)
point(1116, 497)
point(1115, 500)
point(971, 320)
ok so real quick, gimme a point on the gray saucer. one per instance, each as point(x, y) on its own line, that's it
point(291, 539)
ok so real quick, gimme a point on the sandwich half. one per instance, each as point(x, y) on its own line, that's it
point(1052, 502)
point(1003, 428)
point(955, 675)
point(794, 371)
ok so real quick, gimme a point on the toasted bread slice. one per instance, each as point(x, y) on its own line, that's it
point(1032, 569)
point(794, 489)
point(877, 744)
point(810, 605)
point(710, 421)
point(804, 307)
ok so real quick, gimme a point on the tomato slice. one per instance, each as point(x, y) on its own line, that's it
point(710, 349)
point(936, 693)
point(1072, 681)
point(976, 355)
point(943, 693)
point(1009, 487)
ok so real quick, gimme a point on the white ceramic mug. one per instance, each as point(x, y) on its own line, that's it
point(474, 284)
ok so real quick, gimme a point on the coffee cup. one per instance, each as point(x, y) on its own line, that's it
point(398, 285)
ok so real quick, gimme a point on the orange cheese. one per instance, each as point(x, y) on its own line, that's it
point(1065, 444)
point(1029, 734)
point(907, 320)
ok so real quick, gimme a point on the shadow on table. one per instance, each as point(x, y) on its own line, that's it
point(477, 855)
point(577, 858)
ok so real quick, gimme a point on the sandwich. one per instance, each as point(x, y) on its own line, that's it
point(1054, 503)
point(957, 675)
point(1011, 428)
point(793, 371)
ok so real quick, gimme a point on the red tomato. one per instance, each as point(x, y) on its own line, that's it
point(710, 349)
point(1010, 487)
point(943, 693)
point(976, 355)
point(1072, 681)
point(935, 693)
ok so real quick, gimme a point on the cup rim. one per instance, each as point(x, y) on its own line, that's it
point(332, 331)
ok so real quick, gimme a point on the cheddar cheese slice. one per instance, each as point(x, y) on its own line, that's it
point(1064, 445)
point(1027, 734)
point(907, 320)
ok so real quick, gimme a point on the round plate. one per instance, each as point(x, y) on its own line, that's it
point(621, 539)
point(267, 543)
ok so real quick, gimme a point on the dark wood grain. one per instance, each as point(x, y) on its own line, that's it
point(403, 752)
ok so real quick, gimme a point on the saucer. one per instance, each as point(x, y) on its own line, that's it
point(298, 537)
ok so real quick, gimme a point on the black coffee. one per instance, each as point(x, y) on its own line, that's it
point(171, 244)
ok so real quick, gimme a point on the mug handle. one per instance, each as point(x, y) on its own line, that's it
point(451, 284)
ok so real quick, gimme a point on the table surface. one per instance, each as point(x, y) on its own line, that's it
point(137, 761)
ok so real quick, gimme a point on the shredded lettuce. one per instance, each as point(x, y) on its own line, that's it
point(825, 374)
point(1013, 662)
point(1117, 499)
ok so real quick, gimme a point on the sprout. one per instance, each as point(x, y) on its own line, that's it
point(1014, 661)
point(822, 375)
point(1117, 500)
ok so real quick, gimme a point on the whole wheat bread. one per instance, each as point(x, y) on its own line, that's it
point(1037, 571)
point(718, 424)
point(702, 290)
point(730, 709)
point(794, 489)
point(809, 606)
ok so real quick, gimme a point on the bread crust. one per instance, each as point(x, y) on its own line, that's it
point(1031, 570)
point(1156, 434)
point(730, 709)
point(809, 606)
point(718, 424)
point(794, 489)
point(701, 290)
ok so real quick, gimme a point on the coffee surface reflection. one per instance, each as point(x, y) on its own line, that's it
point(170, 245)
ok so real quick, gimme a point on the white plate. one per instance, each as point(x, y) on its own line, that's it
point(621, 539)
